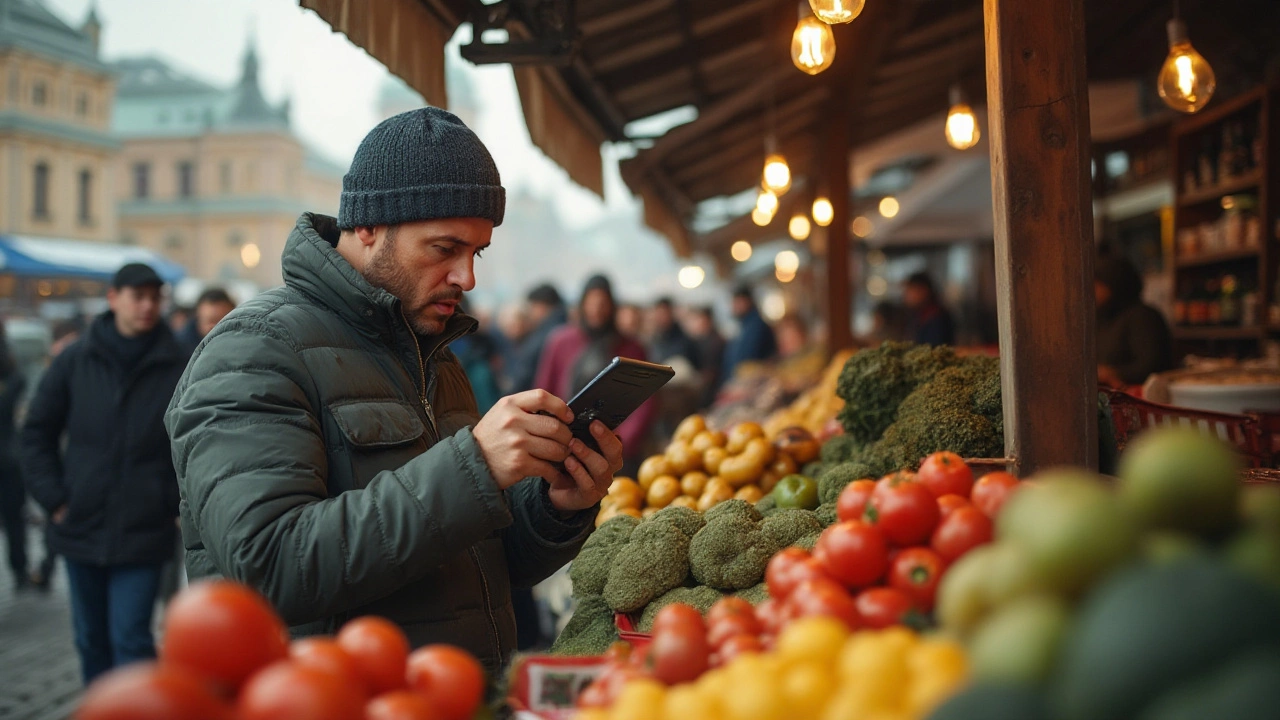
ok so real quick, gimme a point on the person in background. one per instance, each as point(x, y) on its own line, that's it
point(575, 354)
point(928, 322)
point(667, 339)
point(65, 334)
point(180, 318)
point(1133, 338)
point(886, 323)
point(629, 320)
point(13, 494)
point(792, 336)
point(701, 326)
point(754, 341)
point(478, 353)
point(213, 305)
point(111, 493)
point(544, 314)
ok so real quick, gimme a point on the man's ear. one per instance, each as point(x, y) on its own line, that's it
point(366, 235)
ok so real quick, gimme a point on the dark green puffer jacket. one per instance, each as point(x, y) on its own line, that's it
point(324, 457)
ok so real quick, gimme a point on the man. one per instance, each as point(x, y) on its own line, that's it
point(576, 353)
point(1133, 338)
point(669, 339)
point(212, 306)
point(545, 313)
point(111, 494)
point(328, 444)
point(710, 344)
point(928, 322)
point(754, 340)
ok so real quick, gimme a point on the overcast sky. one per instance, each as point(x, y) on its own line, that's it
point(334, 84)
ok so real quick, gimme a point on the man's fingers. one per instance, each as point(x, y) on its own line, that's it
point(610, 445)
point(595, 463)
point(545, 449)
point(547, 427)
point(578, 471)
point(533, 401)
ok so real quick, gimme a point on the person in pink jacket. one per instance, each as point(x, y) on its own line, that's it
point(576, 353)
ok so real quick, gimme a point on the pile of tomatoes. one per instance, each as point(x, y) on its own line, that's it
point(881, 563)
point(225, 654)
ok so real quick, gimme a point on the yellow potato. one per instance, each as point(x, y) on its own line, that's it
point(750, 493)
point(716, 492)
point(712, 458)
point(693, 483)
point(690, 427)
point(749, 465)
point(682, 459)
point(663, 491)
point(741, 434)
point(651, 468)
point(685, 501)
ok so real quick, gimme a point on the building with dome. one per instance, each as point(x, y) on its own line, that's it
point(214, 178)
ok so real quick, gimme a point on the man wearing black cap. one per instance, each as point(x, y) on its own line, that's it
point(110, 492)
point(329, 449)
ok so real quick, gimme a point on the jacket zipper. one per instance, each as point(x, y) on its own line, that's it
point(422, 377)
point(488, 602)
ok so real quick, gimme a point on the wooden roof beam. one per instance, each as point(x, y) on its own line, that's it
point(949, 53)
point(944, 30)
point(637, 53)
point(793, 119)
point(627, 14)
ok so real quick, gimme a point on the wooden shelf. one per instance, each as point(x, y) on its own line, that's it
point(1197, 197)
point(1218, 257)
point(1218, 332)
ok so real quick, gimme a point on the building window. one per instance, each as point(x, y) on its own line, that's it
point(39, 94)
point(186, 179)
point(173, 242)
point(82, 104)
point(224, 178)
point(85, 198)
point(141, 180)
point(235, 239)
point(40, 206)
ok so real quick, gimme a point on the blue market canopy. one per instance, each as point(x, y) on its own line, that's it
point(45, 257)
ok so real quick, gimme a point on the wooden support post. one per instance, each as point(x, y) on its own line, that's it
point(836, 172)
point(1039, 127)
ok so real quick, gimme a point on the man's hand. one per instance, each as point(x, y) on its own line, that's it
point(517, 443)
point(590, 472)
point(59, 515)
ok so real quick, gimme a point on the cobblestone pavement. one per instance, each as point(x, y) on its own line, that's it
point(39, 670)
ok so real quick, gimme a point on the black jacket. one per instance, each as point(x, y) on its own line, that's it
point(115, 475)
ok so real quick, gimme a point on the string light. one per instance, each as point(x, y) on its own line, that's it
point(798, 228)
point(741, 251)
point(823, 213)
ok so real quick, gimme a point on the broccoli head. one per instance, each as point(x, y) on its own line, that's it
point(699, 597)
point(730, 553)
point(590, 630)
point(875, 381)
point(840, 449)
point(689, 521)
point(590, 570)
point(767, 505)
point(787, 525)
point(654, 560)
point(826, 513)
point(831, 482)
point(813, 469)
point(808, 541)
point(755, 594)
point(734, 508)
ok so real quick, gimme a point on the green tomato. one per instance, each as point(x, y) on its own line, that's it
point(964, 596)
point(1071, 527)
point(796, 491)
point(1019, 641)
point(1181, 479)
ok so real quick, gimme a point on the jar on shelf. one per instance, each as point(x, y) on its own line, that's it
point(1188, 242)
point(1237, 211)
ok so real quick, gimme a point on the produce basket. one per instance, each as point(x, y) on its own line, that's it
point(1132, 415)
point(545, 687)
point(627, 632)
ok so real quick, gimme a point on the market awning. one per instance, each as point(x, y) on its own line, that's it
point(46, 257)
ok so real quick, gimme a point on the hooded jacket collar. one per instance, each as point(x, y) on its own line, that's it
point(312, 265)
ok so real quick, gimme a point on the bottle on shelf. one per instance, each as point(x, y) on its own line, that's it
point(1229, 302)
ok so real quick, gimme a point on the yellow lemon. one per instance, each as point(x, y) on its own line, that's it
point(812, 638)
point(807, 686)
point(761, 699)
point(687, 701)
point(639, 700)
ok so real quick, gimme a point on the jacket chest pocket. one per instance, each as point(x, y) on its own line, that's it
point(376, 435)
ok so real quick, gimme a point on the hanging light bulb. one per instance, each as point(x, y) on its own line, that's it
point(823, 212)
point(962, 125)
point(767, 202)
point(799, 227)
point(691, 276)
point(835, 12)
point(862, 227)
point(1186, 81)
point(777, 175)
point(787, 261)
point(813, 45)
point(740, 251)
point(889, 206)
point(760, 217)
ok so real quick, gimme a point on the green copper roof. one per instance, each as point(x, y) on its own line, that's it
point(29, 25)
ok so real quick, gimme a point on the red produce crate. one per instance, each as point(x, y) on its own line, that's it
point(1133, 415)
point(547, 686)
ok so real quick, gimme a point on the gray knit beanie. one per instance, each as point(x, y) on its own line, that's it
point(424, 164)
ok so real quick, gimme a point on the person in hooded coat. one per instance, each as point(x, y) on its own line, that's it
point(1133, 338)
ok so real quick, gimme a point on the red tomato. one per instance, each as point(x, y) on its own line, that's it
point(893, 479)
point(602, 692)
point(678, 615)
point(944, 473)
point(826, 599)
point(324, 653)
point(905, 512)
point(882, 607)
point(852, 553)
point(788, 569)
point(380, 650)
point(947, 503)
point(916, 572)
point(288, 691)
point(679, 655)
point(727, 627)
point(449, 678)
point(224, 632)
point(148, 691)
point(991, 491)
point(729, 605)
point(738, 645)
point(771, 614)
point(961, 531)
point(400, 705)
point(853, 499)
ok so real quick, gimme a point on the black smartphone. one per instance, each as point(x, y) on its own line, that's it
point(619, 390)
